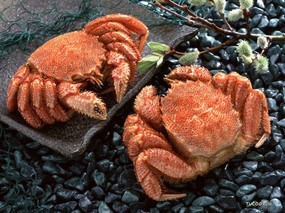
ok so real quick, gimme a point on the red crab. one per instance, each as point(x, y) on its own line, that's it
point(50, 85)
point(201, 123)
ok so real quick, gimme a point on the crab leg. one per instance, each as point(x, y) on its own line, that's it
point(129, 22)
point(138, 136)
point(117, 37)
point(24, 107)
point(131, 53)
point(37, 98)
point(13, 88)
point(121, 73)
point(254, 118)
point(53, 105)
point(153, 163)
point(83, 102)
point(149, 112)
point(189, 73)
point(107, 27)
point(235, 85)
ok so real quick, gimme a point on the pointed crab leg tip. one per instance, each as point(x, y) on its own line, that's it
point(119, 99)
point(99, 112)
point(165, 197)
point(261, 141)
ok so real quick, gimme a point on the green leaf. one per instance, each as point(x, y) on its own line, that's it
point(158, 47)
point(147, 62)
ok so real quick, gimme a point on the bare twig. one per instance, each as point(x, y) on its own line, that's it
point(226, 22)
point(218, 47)
point(247, 18)
point(194, 20)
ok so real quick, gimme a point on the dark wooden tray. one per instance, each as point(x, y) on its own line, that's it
point(72, 138)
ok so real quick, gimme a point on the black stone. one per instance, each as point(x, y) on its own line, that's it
point(54, 158)
point(270, 156)
point(277, 193)
point(129, 197)
point(228, 184)
point(203, 201)
point(99, 178)
point(67, 207)
point(271, 178)
point(111, 198)
point(227, 202)
point(255, 20)
point(226, 192)
point(281, 67)
point(264, 167)
point(248, 198)
point(264, 192)
point(66, 194)
point(270, 9)
point(78, 183)
point(98, 193)
point(120, 207)
point(177, 208)
point(27, 170)
point(104, 208)
point(196, 209)
point(245, 189)
point(215, 209)
point(251, 165)
point(37, 191)
point(85, 204)
point(276, 206)
point(211, 188)
point(105, 165)
point(254, 156)
point(272, 106)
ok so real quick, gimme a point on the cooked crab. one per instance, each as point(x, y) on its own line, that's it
point(202, 122)
point(49, 86)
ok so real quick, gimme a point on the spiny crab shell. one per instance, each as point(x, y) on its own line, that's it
point(50, 86)
point(202, 122)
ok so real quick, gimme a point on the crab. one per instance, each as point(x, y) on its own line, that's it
point(202, 122)
point(53, 83)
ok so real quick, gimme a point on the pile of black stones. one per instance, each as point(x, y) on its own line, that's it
point(34, 178)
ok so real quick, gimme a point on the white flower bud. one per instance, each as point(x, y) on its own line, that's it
point(262, 42)
point(189, 58)
point(261, 64)
point(220, 6)
point(235, 15)
point(197, 2)
point(243, 48)
point(245, 4)
point(245, 52)
point(247, 59)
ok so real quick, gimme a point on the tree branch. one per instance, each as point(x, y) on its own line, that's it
point(196, 21)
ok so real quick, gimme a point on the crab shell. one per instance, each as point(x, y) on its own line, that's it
point(201, 123)
point(50, 86)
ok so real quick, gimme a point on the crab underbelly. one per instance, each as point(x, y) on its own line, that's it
point(199, 119)
point(74, 52)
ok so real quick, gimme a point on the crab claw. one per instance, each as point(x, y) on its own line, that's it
point(86, 102)
point(121, 73)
